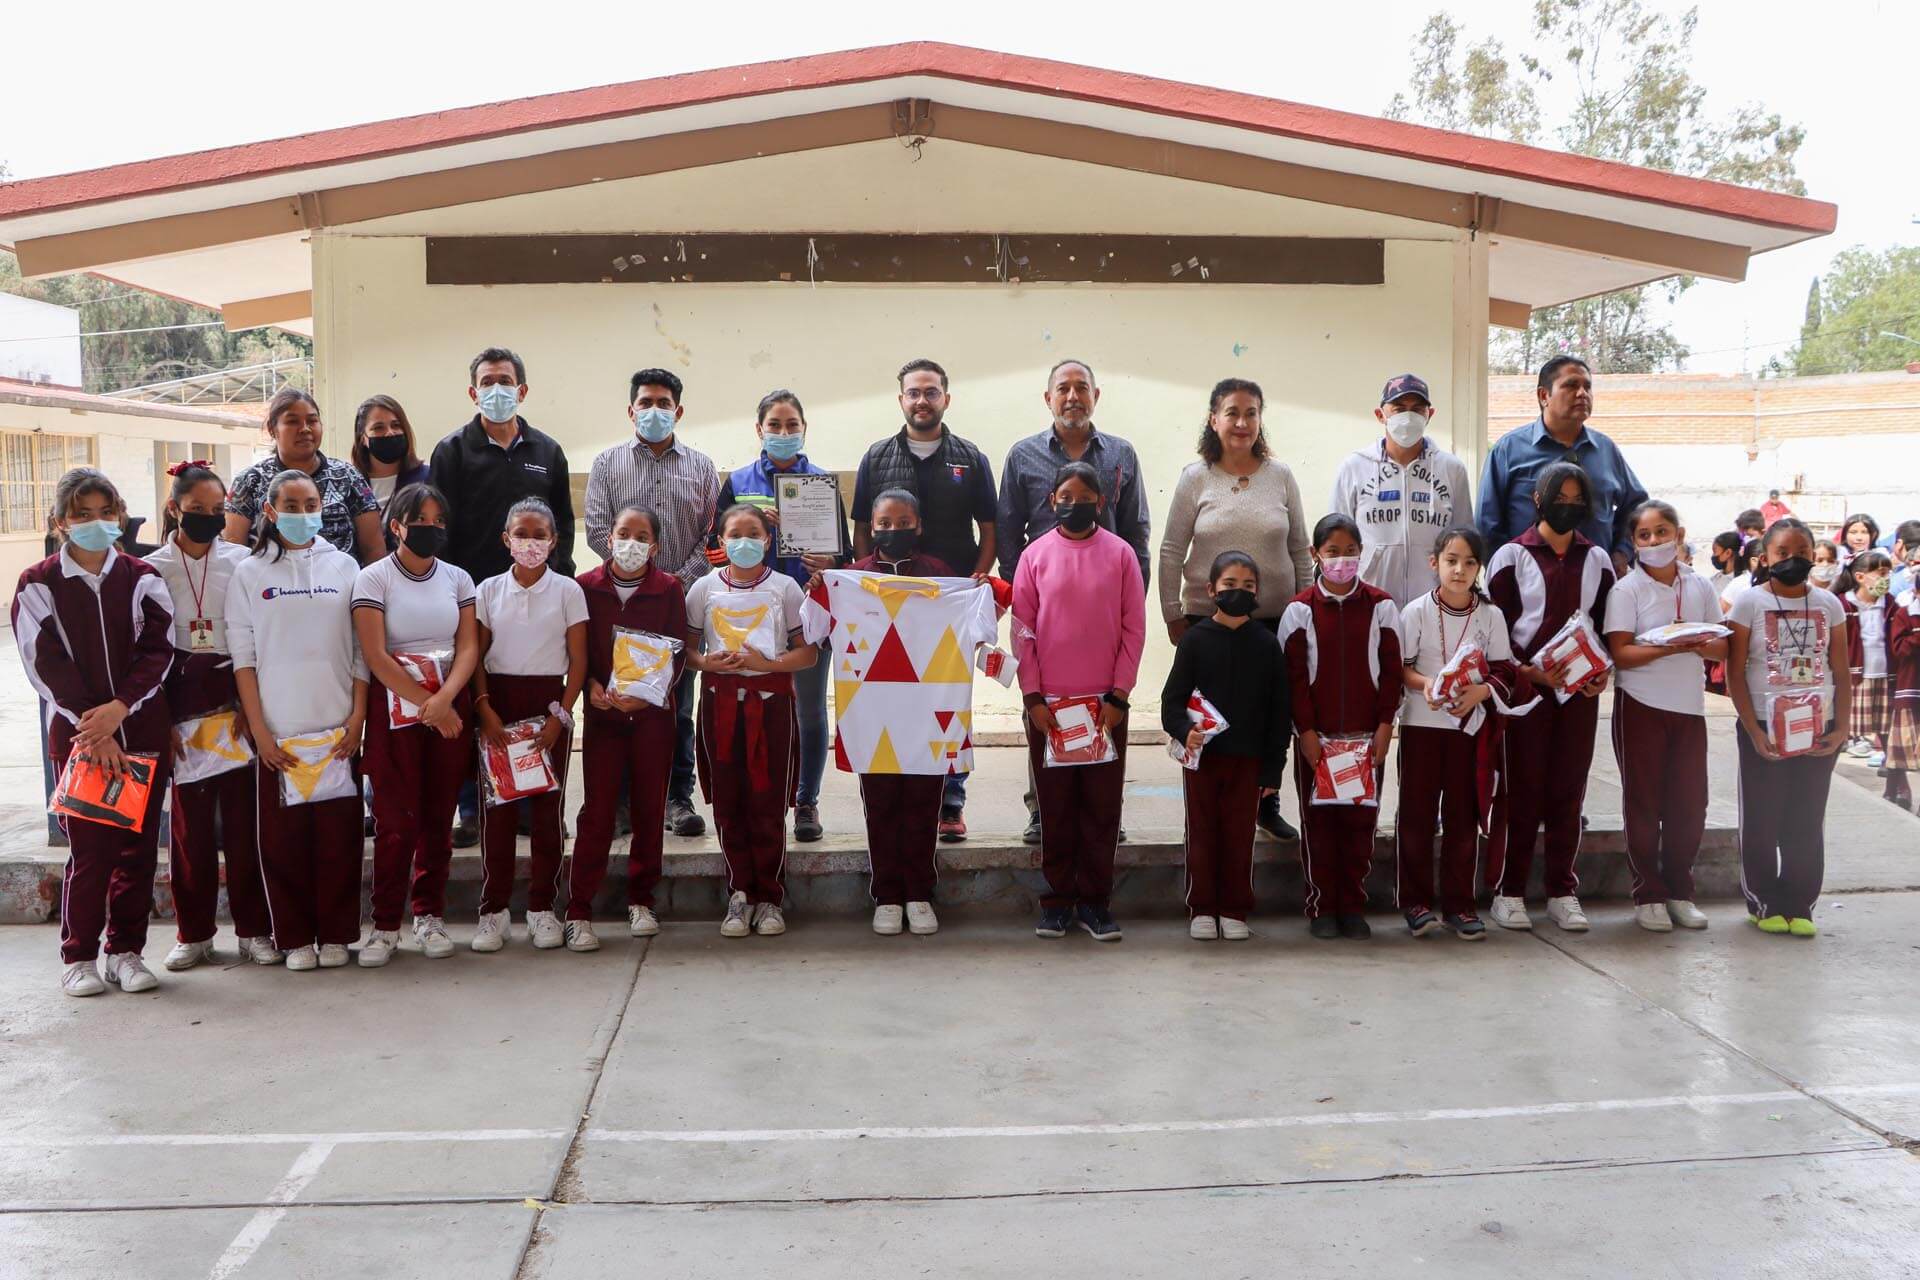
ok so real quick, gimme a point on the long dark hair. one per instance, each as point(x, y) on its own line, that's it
point(1785, 524)
point(1863, 562)
point(1210, 449)
point(362, 455)
point(267, 532)
point(283, 400)
point(186, 477)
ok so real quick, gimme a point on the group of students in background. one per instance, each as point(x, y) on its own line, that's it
point(301, 637)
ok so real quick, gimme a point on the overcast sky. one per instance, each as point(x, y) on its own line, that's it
point(87, 85)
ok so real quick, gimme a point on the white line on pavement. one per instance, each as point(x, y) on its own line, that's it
point(262, 1223)
point(281, 1139)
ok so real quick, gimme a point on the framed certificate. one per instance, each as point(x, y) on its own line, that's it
point(809, 510)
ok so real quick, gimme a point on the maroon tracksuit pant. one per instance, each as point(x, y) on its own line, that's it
point(1079, 822)
point(108, 883)
point(520, 698)
point(1336, 848)
point(1222, 796)
point(193, 856)
point(1549, 752)
point(310, 860)
point(1663, 789)
point(1783, 816)
point(416, 781)
point(639, 752)
point(746, 750)
point(903, 821)
point(1438, 782)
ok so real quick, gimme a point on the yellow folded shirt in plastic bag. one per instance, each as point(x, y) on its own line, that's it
point(317, 774)
point(642, 665)
point(210, 745)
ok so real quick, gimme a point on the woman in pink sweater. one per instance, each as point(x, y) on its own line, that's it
point(1079, 611)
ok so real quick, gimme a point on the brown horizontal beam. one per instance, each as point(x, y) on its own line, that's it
point(255, 313)
point(180, 233)
point(829, 258)
point(1509, 315)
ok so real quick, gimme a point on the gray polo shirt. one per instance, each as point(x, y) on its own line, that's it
point(1026, 495)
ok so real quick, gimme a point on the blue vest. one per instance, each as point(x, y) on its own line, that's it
point(756, 480)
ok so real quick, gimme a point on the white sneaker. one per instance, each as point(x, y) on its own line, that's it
point(1686, 915)
point(1566, 913)
point(185, 955)
point(1653, 917)
point(641, 922)
point(768, 921)
point(261, 950)
point(735, 924)
point(581, 937)
point(494, 930)
point(131, 972)
point(1203, 928)
point(301, 959)
point(545, 929)
point(888, 920)
point(921, 920)
point(431, 933)
point(1234, 930)
point(82, 979)
point(1510, 913)
point(1876, 759)
point(334, 955)
point(1859, 748)
point(379, 948)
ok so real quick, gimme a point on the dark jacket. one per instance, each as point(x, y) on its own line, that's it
point(482, 481)
point(948, 508)
point(1243, 673)
point(658, 605)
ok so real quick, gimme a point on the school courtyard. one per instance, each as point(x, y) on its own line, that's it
point(983, 1103)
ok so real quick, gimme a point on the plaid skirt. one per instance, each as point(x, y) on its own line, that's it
point(1903, 739)
point(1872, 705)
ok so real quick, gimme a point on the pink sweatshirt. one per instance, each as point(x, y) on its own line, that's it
point(1080, 615)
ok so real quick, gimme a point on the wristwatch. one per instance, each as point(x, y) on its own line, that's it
point(560, 713)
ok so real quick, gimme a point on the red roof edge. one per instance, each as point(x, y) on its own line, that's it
point(920, 58)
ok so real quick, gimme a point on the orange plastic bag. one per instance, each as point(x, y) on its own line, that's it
point(91, 792)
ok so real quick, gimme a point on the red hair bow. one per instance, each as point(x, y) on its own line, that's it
point(178, 467)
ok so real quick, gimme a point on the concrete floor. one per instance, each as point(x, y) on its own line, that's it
point(982, 1103)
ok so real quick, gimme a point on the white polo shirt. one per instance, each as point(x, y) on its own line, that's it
point(198, 588)
point(529, 624)
point(1677, 682)
point(422, 612)
point(774, 591)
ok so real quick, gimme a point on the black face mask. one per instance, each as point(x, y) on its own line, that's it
point(387, 448)
point(425, 540)
point(896, 544)
point(1076, 517)
point(1237, 603)
point(1564, 517)
point(1790, 572)
point(195, 527)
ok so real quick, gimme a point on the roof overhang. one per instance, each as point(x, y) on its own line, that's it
point(228, 228)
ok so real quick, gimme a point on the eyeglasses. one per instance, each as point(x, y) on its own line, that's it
point(917, 394)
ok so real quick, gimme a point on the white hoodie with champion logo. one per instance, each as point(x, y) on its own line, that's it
point(291, 620)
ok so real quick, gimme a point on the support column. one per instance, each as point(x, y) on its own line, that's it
point(1467, 408)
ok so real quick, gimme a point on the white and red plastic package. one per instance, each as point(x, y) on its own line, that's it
point(516, 768)
point(429, 667)
point(1467, 666)
point(1574, 657)
point(1345, 774)
point(1207, 718)
point(1796, 720)
point(1078, 736)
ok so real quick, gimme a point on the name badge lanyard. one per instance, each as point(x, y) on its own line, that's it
point(199, 626)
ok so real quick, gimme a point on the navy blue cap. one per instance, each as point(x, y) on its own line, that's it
point(1406, 384)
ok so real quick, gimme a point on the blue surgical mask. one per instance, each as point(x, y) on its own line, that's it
point(654, 425)
point(783, 448)
point(94, 535)
point(499, 402)
point(746, 552)
point(298, 527)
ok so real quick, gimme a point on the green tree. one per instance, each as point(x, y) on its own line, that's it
point(1615, 75)
point(1856, 312)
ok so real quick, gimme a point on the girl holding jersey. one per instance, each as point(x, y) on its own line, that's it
point(411, 601)
point(298, 671)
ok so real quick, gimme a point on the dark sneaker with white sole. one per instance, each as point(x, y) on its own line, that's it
point(1421, 922)
point(1467, 927)
point(1099, 922)
point(1053, 923)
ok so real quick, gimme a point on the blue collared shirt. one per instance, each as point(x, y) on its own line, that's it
point(1506, 507)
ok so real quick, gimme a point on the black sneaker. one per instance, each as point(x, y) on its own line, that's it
point(806, 823)
point(1272, 822)
point(1099, 922)
point(1467, 927)
point(1356, 927)
point(683, 820)
point(465, 834)
point(1324, 927)
point(1032, 834)
point(1053, 923)
point(1421, 922)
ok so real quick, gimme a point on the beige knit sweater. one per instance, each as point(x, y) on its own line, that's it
point(1210, 515)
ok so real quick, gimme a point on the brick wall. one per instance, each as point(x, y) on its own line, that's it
point(1698, 409)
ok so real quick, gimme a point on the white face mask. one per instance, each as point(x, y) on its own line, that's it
point(1405, 429)
point(629, 554)
point(1657, 556)
point(1824, 574)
